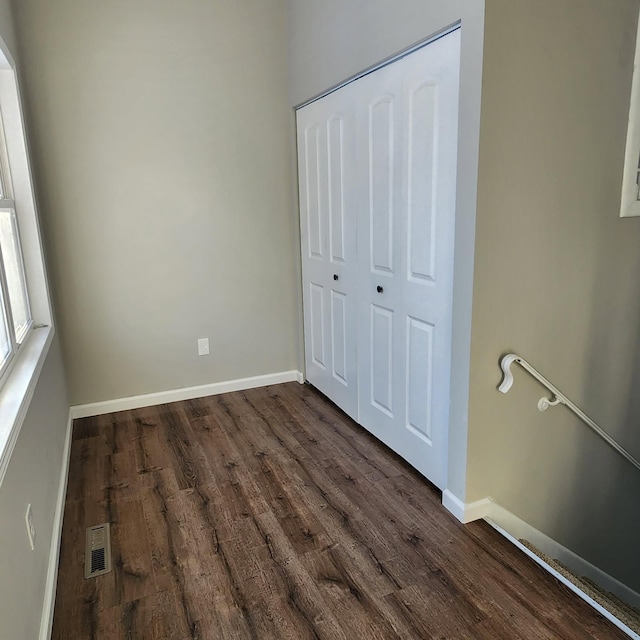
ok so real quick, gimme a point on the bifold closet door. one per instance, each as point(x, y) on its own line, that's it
point(326, 142)
point(377, 179)
point(407, 161)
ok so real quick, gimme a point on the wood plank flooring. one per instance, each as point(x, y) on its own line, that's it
point(270, 514)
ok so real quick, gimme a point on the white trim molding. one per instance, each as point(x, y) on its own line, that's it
point(188, 393)
point(466, 512)
point(505, 521)
point(515, 529)
point(575, 563)
point(18, 390)
point(630, 203)
point(46, 622)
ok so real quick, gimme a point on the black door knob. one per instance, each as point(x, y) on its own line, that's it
point(335, 276)
point(379, 289)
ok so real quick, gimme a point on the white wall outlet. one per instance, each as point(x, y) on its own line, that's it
point(203, 346)
point(31, 528)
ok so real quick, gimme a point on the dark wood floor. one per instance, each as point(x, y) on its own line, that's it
point(270, 514)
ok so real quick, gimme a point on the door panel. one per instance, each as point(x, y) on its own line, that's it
point(430, 101)
point(382, 172)
point(316, 303)
point(420, 336)
point(415, 287)
point(381, 349)
point(328, 229)
point(335, 157)
point(380, 238)
point(339, 339)
point(422, 180)
point(313, 196)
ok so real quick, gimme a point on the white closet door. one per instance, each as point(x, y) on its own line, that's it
point(407, 156)
point(326, 138)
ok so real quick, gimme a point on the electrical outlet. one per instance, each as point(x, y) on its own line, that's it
point(203, 346)
point(31, 528)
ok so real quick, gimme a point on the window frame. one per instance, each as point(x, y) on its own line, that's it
point(7, 203)
point(17, 342)
point(630, 201)
point(19, 376)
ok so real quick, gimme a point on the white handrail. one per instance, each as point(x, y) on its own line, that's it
point(557, 398)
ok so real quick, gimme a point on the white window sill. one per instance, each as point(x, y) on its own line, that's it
point(17, 391)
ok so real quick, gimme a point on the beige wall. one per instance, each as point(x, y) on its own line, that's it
point(557, 275)
point(330, 41)
point(160, 132)
point(32, 477)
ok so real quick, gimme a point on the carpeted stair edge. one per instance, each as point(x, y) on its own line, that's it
point(626, 614)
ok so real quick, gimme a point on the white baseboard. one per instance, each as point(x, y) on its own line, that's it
point(521, 530)
point(46, 622)
point(529, 533)
point(515, 529)
point(188, 393)
point(466, 512)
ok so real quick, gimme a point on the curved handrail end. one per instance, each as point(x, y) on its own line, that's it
point(507, 376)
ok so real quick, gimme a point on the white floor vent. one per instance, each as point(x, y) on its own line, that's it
point(97, 555)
